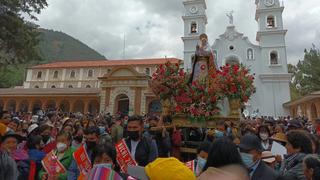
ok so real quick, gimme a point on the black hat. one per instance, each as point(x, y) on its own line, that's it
point(13, 135)
point(249, 142)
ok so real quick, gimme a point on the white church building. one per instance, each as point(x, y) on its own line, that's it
point(267, 58)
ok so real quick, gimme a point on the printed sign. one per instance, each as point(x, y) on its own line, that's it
point(82, 159)
point(52, 165)
point(124, 158)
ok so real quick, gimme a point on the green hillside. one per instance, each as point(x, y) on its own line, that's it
point(54, 46)
point(59, 46)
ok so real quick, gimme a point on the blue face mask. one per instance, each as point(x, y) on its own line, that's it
point(102, 129)
point(146, 126)
point(218, 134)
point(201, 162)
point(247, 159)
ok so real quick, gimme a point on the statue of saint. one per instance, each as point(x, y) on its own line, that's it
point(203, 60)
point(230, 16)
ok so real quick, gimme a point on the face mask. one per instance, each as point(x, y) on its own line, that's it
point(45, 138)
point(146, 126)
point(218, 134)
point(61, 147)
point(102, 129)
point(104, 165)
point(134, 135)
point(264, 136)
point(247, 159)
point(78, 138)
point(125, 122)
point(201, 162)
point(91, 145)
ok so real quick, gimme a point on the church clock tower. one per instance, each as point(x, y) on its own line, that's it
point(195, 21)
point(273, 74)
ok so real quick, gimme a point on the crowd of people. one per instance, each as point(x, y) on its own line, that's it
point(255, 148)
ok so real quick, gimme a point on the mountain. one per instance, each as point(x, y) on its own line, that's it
point(58, 46)
point(54, 46)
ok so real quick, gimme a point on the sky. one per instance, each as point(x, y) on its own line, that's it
point(153, 28)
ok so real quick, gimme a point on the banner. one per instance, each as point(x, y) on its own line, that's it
point(124, 158)
point(82, 159)
point(52, 165)
point(190, 165)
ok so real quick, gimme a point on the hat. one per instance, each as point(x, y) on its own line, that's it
point(64, 120)
point(162, 168)
point(249, 142)
point(101, 172)
point(279, 137)
point(295, 124)
point(13, 135)
point(32, 127)
point(267, 157)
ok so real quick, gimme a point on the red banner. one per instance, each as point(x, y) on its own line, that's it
point(124, 158)
point(82, 159)
point(52, 165)
point(190, 165)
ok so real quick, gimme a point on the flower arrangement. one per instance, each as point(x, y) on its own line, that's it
point(167, 79)
point(236, 82)
point(199, 99)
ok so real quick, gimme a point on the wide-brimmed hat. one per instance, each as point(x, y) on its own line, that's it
point(12, 135)
point(268, 157)
point(281, 137)
point(32, 127)
point(250, 142)
point(162, 168)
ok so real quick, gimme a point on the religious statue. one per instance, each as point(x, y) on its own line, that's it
point(230, 16)
point(202, 60)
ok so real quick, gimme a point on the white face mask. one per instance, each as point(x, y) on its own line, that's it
point(61, 147)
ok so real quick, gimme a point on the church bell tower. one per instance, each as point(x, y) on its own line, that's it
point(195, 21)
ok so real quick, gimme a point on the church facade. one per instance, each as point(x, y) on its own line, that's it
point(267, 59)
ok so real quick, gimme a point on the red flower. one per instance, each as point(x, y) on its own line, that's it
point(178, 108)
point(233, 89)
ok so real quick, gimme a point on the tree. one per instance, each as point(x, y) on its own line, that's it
point(18, 37)
point(306, 74)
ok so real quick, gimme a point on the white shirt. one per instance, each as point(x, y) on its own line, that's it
point(134, 145)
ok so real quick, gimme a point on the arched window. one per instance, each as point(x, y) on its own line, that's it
point(72, 74)
point(271, 21)
point(53, 86)
point(90, 73)
point(147, 71)
point(194, 28)
point(36, 86)
point(232, 60)
point(70, 86)
point(55, 74)
point(250, 54)
point(39, 75)
point(274, 58)
point(88, 86)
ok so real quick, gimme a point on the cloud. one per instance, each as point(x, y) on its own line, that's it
point(153, 28)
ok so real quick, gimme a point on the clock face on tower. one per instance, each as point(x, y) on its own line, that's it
point(193, 9)
point(269, 2)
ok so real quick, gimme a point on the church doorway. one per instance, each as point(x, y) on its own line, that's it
point(122, 104)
